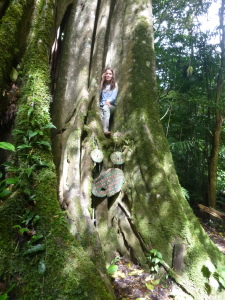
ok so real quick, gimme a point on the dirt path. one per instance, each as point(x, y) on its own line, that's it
point(131, 282)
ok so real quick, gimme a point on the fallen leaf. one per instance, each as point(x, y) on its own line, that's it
point(150, 286)
point(149, 278)
point(118, 274)
point(136, 272)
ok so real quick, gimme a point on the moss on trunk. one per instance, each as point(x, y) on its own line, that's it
point(69, 274)
point(12, 31)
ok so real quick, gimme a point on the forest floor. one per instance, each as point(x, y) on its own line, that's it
point(130, 282)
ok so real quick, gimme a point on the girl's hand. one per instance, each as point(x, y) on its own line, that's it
point(103, 76)
point(108, 103)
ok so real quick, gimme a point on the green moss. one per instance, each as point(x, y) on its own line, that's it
point(9, 36)
point(70, 274)
point(159, 210)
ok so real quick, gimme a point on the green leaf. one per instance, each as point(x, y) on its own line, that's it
point(35, 220)
point(156, 268)
point(5, 193)
point(30, 111)
point(3, 297)
point(29, 217)
point(50, 125)
point(43, 164)
point(7, 146)
point(41, 267)
point(156, 282)
point(22, 230)
point(153, 251)
point(25, 140)
point(36, 237)
point(44, 143)
point(112, 269)
point(36, 248)
point(31, 133)
point(17, 131)
point(2, 182)
point(156, 260)
point(16, 226)
point(12, 180)
point(28, 171)
point(32, 197)
point(23, 146)
point(159, 255)
point(150, 286)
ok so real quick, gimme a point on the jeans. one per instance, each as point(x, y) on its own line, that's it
point(105, 112)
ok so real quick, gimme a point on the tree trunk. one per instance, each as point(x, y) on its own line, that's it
point(214, 156)
point(150, 210)
point(46, 243)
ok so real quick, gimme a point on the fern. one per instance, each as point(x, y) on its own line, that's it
point(185, 193)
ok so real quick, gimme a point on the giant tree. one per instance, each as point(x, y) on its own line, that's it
point(62, 250)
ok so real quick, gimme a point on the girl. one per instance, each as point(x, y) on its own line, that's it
point(108, 94)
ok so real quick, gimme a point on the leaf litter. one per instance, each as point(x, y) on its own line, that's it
point(131, 282)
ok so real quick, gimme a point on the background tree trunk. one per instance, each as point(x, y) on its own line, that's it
point(214, 155)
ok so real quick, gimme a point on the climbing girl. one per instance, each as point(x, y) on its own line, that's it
point(108, 94)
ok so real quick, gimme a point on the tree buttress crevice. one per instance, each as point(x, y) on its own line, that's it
point(108, 40)
point(93, 40)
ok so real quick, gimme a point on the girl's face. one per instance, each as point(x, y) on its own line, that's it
point(108, 75)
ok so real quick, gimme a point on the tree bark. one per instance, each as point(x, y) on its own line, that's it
point(150, 211)
point(70, 274)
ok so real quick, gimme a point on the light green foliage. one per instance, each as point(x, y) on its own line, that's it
point(155, 259)
point(7, 146)
point(32, 141)
point(185, 193)
point(4, 184)
point(112, 268)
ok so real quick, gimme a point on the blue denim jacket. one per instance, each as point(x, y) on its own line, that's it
point(108, 94)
